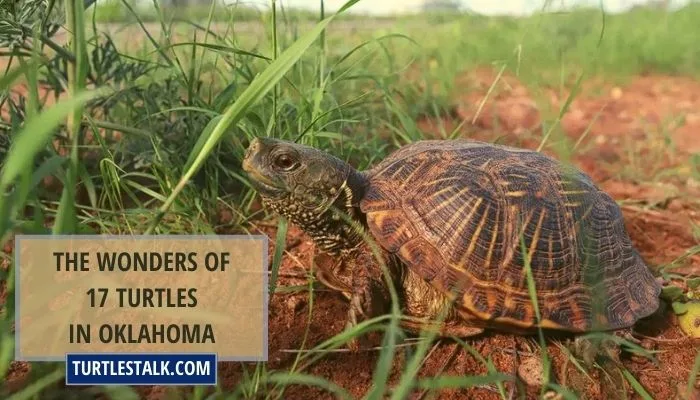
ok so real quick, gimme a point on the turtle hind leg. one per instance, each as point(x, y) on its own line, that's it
point(425, 305)
point(589, 349)
point(458, 328)
point(451, 327)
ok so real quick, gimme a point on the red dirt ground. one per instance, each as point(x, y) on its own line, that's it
point(661, 190)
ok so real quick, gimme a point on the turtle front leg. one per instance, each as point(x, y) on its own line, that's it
point(370, 295)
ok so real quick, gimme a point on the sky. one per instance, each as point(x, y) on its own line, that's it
point(488, 7)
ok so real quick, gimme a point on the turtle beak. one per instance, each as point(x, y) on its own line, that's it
point(252, 166)
point(251, 151)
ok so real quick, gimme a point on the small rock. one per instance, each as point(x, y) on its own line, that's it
point(616, 93)
point(575, 122)
point(648, 344)
point(692, 118)
point(295, 303)
point(675, 205)
point(519, 91)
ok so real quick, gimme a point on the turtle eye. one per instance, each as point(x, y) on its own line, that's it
point(285, 162)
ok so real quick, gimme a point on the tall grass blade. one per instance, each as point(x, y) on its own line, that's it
point(280, 244)
point(7, 338)
point(694, 374)
point(260, 86)
point(636, 385)
point(66, 220)
point(36, 134)
point(385, 363)
point(9, 78)
point(33, 137)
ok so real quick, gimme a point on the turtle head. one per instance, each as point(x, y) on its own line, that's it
point(297, 181)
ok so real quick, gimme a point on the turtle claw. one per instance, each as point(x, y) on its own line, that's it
point(609, 347)
point(355, 343)
point(589, 350)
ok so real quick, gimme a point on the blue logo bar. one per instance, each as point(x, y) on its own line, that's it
point(140, 369)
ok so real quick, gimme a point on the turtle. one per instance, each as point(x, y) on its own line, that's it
point(464, 229)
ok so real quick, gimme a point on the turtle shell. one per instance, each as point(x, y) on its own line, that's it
point(487, 223)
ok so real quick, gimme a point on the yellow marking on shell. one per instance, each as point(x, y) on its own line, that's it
point(447, 202)
point(545, 324)
point(457, 215)
point(550, 253)
point(476, 235)
point(517, 193)
point(405, 229)
point(469, 305)
point(463, 225)
point(530, 314)
point(491, 298)
point(378, 217)
point(580, 220)
point(572, 204)
point(398, 170)
point(536, 236)
point(533, 247)
point(528, 322)
point(503, 182)
point(508, 302)
point(561, 230)
point(515, 322)
point(523, 227)
point(568, 192)
point(549, 324)
point(409, 179)
point(508, 256)
point(441, 180)
point(492, 244)
point(575, 309)
point(485, 164)
point(506, 288)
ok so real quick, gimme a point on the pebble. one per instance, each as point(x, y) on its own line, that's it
point(295, 303)
point(616, 93)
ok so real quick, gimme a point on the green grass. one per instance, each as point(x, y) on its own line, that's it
point(171, 115)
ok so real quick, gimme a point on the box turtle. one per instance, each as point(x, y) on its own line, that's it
point(465, 228)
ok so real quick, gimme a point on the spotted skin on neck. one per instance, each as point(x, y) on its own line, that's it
point(328, 229)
